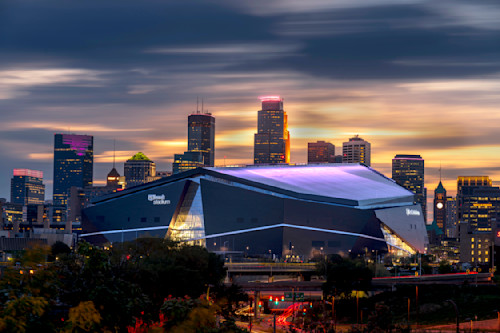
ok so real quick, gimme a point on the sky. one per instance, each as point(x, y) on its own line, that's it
point(409, 76)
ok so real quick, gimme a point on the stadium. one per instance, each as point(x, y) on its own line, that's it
point(279, 211)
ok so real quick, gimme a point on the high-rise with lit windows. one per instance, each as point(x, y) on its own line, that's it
point(320, 152)
point(356, 150)
point(272, 140)
point(27, 188)
point(201, 136)
point(478, 210)
point(73, 164)
point(408, 171)
point(139, 169)
point(478, 203)
point(451, 217)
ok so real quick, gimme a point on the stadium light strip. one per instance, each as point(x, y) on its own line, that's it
point(121, 231)
point(242, 231)
point(295, 227)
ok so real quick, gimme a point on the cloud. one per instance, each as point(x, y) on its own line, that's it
point(14, 82)
point(479, 15)
point(68, 126)
point(269, 8)
point(409, 76)
point(229, 49)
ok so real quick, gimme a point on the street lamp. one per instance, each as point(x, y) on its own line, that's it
point(375, 261)
point(456, 313)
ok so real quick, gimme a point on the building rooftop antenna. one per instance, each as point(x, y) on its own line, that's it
point(439, 171)
point(202, 105)
point(197, 105)
point(114, 152)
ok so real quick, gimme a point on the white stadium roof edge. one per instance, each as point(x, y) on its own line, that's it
point(354, 185)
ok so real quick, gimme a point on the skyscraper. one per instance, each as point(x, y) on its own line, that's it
point(478, 210)
point(27, 188)
point(73, 164)
point(356, 150)
point(440, 207)
point(408, 171)
point(478, 203)
point(201, 136)
point(320, 152)
point(139, 169)
point(272, 140)
point(451, 217)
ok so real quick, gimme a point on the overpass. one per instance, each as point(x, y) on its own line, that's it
point(270, 268)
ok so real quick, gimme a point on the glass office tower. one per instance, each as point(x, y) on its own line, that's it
point(73, 164)
point(272, 140)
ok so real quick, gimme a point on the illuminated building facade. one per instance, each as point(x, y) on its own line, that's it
point(481, 208)
point(332, 208)
point(27, 188)
point(451, 217)
point(201, 136)
point(356, 150)
point(139, 169)
point(478, 207)
point(272, 140)
point(440, 207)
point(465, 188)
point(187, 161)
point(408, 171)
point(320, 152)
point(476, 248)
point(73, 164)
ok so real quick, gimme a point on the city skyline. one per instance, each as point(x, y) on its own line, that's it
point(411, 78)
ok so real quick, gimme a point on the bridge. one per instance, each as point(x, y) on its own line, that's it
point(270, 268)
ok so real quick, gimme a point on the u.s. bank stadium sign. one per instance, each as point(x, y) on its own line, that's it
point(158, 199)
point(412, 212)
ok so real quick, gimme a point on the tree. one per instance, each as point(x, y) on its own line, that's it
point(380, 320)
point(59, 248)
point(23, 314)
point(444, 267)
point(344, 275)
point(89, 275)
point(84, 318)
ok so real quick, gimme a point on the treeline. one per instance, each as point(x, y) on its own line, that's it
point(146, 285)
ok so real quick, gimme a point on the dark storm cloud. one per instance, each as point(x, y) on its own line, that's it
point(107, 34)
point(131, 71)
point(380, 42)
point(369, 42)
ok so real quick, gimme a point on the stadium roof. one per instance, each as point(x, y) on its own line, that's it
point(352, 182)
point(345, 184)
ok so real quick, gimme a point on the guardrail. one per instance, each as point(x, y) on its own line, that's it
point(275, 267)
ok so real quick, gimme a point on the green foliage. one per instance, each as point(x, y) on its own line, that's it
point(88, 275)
point(22, 314)
point(140, 156)
point(33, 256)
point(83, 318)
point(344, 275)
point(59, 248)
point(444, 267)
point(433, 305)
point(228, 299)
point(186, 315)
point(96, 289)
point(177, 310)
point(380, 320)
